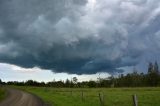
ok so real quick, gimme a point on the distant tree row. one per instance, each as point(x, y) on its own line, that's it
point(134, 79)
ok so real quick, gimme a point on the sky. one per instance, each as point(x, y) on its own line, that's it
point(54, 39)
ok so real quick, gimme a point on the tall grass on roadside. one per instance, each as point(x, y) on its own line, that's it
point(2, 94)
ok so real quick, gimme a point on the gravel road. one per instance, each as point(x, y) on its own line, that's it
point(20, 98)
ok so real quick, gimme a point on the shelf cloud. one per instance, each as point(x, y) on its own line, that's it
point(79, 36)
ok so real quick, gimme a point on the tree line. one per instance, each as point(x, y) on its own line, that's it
point(134, 79)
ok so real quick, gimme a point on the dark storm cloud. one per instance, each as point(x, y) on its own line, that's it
point(78, 36)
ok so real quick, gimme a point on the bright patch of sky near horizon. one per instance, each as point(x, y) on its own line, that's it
point(10, 72)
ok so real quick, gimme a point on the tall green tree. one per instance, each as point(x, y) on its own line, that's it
point(0, 81)
point(150, 68)
point(67, 83)
point(75, 80)
point(156, 67)
point(153, 74)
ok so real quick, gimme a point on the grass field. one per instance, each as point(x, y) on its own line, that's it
point(2, 93)
point(112, 96)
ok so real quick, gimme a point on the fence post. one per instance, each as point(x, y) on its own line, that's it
point(82, 96)
point(101, 99)
point(135, 100)
point(71, 93)
point(45, 89)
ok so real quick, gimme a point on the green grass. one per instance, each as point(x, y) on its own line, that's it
point(112, 96)
point(2, 94)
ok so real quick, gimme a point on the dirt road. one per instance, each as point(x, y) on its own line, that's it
point(21, 98)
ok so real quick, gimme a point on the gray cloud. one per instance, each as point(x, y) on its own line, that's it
point(78, 36)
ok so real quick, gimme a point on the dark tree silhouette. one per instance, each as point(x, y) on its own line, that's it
point(150, 68)
point(156, 67)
